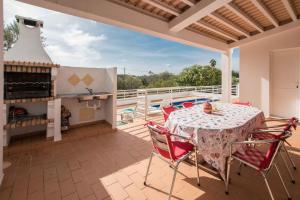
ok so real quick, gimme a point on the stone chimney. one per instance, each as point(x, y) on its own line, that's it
point(29, 47)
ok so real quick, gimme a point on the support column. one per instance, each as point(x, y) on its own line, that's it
point(1, 91)
point(226, 66)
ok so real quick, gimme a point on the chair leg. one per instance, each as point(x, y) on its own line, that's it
point(289, 157)
point(227, 176)
point(287, 168)
point(268, 186)
point(150, 160)
point(240, 168)
point(196, 161)
point(173, 181)
point(285, 188)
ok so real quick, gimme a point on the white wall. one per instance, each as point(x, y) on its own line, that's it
point(110, 105)
point(64, 86)
point(255, 66)
point(104, 80)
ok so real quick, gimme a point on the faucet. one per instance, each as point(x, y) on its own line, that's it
point(90, 91)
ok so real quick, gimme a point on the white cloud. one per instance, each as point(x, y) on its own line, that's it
point(77, 38)
point(70, 45)
point(67, 43)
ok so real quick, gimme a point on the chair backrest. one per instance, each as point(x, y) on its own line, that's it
point(293, 122)
point(245, 103)
point(290, 123)
point(161, 140)
point(167, 111)
point(187, 104)
point(274, 147)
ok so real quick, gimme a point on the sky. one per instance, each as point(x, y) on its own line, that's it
point(74, 41)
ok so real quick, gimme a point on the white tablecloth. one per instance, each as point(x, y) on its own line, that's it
point(213, 133)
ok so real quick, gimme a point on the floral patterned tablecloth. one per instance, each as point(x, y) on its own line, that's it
point(213, 133)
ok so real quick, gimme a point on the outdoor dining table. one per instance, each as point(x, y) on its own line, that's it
point(213, 133)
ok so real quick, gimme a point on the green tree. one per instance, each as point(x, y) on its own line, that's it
point(198, 75)
point(129, 82)
point(213, 62)
point(235, 77)
point(11, 34)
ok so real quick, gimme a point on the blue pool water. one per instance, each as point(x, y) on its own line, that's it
point(195, 101)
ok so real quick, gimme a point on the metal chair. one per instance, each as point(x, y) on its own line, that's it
point(187, 104)
point(172, 152)
point(167, 111)
point(256, 159)
point(266, 133)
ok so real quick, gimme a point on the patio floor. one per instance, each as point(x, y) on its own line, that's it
point(95, 162)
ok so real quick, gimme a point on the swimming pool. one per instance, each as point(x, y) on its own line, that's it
point(179, 103)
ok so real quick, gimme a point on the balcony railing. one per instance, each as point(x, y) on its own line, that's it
point(213, 89)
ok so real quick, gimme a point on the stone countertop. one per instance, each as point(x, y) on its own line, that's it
point(82, 94)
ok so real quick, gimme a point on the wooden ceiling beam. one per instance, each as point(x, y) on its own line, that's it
point(233, 8)
point(163, 6)
point(195, 13)
point(217, 30)
point(266, 34)
point(290, 9)
point(265, 11)
point(188, 2)
point(229, 24)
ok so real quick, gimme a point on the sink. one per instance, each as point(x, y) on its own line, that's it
point(90, 97)
point(85, 97)
point(101, 96)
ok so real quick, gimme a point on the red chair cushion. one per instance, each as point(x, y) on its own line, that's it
point(187, 104)
point(247, 103)
point(179, 149)
point(167, 111)
point(253, 156)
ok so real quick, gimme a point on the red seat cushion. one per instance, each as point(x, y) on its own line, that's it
point(179, 149)
point(187, 104)
point(253, 156)
point(247, 103)
point(167, 111)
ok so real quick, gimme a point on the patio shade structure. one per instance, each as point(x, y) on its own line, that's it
point(217, 25)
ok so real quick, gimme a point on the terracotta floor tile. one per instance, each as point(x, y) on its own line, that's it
point(67, 187)
point(129, 170)
point(108, 180)
point(73, 196)
point(138, 180)
point(36, 184)
point(5, 193)
point(100, 191)
point(73, 164)
point(50, 173)
point(53, 196)
point(38, 195)
point(134, 192)
point(123, 179)
point(83, 189)
point(116, 191)
point(91, 197)
point(95, 162)
point(77, 176)
point(51, 186)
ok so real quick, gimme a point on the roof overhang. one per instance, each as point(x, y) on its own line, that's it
point(217, 25)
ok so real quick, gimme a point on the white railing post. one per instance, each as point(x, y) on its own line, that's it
point(146, 104)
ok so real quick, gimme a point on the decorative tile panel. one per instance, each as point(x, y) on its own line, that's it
point(74, 80)
point(87, 79)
